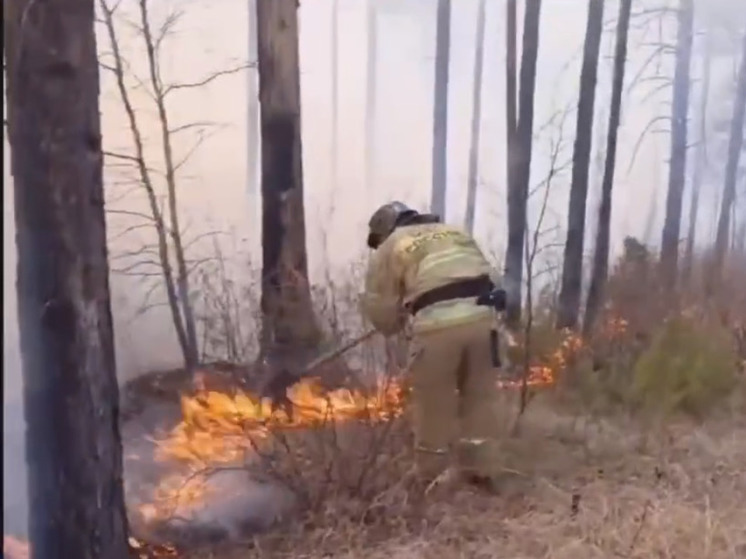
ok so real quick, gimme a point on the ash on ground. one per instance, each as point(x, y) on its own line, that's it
point(233, 503)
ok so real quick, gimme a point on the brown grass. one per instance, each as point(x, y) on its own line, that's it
point(676, 492)
point(593, 472)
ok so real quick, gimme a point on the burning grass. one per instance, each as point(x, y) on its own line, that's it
point(222, 430)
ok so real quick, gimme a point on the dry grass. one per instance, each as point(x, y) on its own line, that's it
point(595, 471)
point(571, 488)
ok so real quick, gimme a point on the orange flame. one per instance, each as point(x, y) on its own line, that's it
point(219, 428)
point(14, 548)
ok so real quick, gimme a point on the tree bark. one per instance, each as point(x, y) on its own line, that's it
point(735, 145)
point(334, 147)
point(370, 101)
point(289, 321)
point(476, 120)
point(600, 270)
point(518, 190)
point(677, 165)
point(71, 396)
point(699, 165)
point(440, 108)
point(511, 65)
point(572, 265)
point(253, 142)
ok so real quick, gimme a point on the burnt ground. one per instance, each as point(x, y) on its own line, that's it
point(240, 503)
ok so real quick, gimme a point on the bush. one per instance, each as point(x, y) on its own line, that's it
point(687, 368)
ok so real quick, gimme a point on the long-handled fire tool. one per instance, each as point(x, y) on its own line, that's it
point(278, 383)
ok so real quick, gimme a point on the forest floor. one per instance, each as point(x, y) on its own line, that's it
point(572, 488)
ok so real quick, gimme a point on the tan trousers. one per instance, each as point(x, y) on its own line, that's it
point(454, 400)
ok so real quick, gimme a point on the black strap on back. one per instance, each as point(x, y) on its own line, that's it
point(460, 289)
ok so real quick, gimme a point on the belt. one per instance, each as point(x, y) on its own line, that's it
point(459, 289)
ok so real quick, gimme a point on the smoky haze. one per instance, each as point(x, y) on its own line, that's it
point(217, 197)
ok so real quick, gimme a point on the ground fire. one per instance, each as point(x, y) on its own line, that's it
point(218, 428)
point(13, 548)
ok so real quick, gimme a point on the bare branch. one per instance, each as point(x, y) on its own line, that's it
point(131, 213)
point(207, 79)
point(642, 137)
point(200, 125)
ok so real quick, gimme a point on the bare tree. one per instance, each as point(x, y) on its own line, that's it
point(171, 249)
point(511, 65)
point(74, 450)
point(440, 108)
point(289, 320)
point(370, 92)
point(572, 266)
point(334, 147)
point(518, 188)
point(735, 146)
point(700, 162)
point(600, 270)
point(476, 119)
point(533, 249)
point(252, 94)
point(677, 163)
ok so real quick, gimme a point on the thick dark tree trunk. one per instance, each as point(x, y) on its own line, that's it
point(518, 188)
point(440, 108)
point(572, 265)
point(289, 321)
point(677, 164)
point(600, 268)
point(74, 451)
point(699, 165)
point(735, 145)
point(476, 120)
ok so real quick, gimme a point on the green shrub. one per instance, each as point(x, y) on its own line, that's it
point(688, 368)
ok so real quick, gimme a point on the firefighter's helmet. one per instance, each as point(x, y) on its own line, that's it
point(385, 219)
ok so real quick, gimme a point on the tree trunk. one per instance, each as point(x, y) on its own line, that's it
point(182, 278)
point(333, 160)
point(596, 177)
point(735, 145)
point(740, 241)
point(144, 175)
point(440, 108)
point(71, 397)
point(511, 64)
point(600, 268)
point(699, 165)
point(677, 164)
point(476, 119)
point(253, 143)
point(289, 322)
point(518, 190)
point(370, 101)
point(572, 265)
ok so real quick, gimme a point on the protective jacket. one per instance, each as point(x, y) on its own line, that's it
point(414, 260)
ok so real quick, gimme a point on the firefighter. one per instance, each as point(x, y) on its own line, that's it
point(424, 277)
